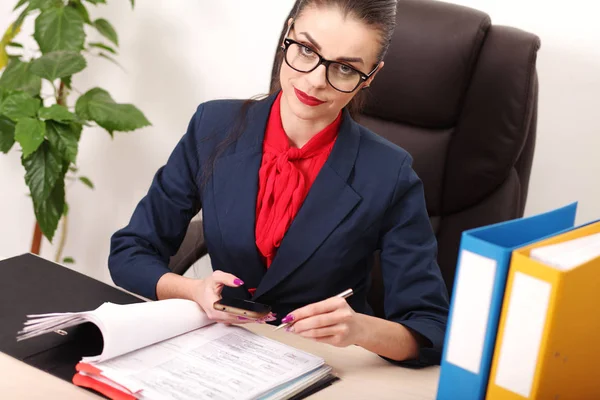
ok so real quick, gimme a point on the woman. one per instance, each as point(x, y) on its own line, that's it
point(297, 197)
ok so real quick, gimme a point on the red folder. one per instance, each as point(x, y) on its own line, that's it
point(87, 380)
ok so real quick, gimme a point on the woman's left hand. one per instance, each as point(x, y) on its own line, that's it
point(330, 321)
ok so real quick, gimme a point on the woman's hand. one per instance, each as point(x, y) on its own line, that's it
point(330, 321)
point(208, 291)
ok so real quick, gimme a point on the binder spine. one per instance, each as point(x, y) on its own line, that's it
point(528, 317)
point(474, 314)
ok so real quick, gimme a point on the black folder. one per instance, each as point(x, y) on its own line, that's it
point(33, 285)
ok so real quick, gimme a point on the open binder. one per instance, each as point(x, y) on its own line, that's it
point(169, 349)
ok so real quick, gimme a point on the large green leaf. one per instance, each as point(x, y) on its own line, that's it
point(32, 5)
point(42, 169)
point(42, 4)
point(20, 105)
point(49, 211)
point(59, 28)
point(58, 64)
point(97, 105)
point(107, 30)
point(30, 132)
point(82, 10)
point(57, 113)
point(18, 76)
point(7, 134)
point(64, 138)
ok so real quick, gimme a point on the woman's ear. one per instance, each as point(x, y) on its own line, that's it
point(370, 80)
point(290, 21)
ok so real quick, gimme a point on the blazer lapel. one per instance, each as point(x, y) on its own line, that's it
point(328, 202)
point(235, 187)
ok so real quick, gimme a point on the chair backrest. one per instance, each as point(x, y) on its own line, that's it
point(460, 95)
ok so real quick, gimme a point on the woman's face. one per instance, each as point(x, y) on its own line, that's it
point(347, 40)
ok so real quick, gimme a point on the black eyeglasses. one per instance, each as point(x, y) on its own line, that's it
point(341, 77)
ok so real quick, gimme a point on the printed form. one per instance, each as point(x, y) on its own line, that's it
point(215, 362)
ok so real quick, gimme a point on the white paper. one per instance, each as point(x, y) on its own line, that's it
point(131, 327)
point(471, 310)
point(570, 254)
point(525, 319)
point(125, 327)
point(215, 362)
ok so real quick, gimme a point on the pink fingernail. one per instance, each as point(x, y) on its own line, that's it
point(238, 282)
point(288, 318)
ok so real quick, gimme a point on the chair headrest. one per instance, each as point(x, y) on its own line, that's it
point(428, 65)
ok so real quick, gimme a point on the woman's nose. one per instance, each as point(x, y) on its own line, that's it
point(318, 77)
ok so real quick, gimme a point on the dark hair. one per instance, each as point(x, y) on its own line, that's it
point(379, 14)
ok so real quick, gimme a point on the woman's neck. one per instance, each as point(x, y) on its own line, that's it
point(299, 131)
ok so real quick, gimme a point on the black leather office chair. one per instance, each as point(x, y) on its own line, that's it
point(459, 94)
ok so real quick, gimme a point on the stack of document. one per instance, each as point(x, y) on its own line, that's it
point(169, 349)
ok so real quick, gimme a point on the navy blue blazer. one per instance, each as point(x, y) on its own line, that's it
point(366, 197)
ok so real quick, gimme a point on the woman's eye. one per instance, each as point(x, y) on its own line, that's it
point(344, 69)
point(307, 52)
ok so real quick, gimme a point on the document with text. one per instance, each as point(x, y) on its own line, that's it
point(170, 350)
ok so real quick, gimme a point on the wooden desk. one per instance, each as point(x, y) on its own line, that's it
point(363, 375)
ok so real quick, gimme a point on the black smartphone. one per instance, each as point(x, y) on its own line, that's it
point(245, 308)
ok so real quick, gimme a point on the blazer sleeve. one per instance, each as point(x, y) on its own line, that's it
point(415, 293)
point(140, 252)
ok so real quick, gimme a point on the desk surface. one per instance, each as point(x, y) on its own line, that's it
point(363, 375)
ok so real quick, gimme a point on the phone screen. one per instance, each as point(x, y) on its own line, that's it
point(244, 305)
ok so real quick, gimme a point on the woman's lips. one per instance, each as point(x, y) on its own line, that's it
point(306, 99)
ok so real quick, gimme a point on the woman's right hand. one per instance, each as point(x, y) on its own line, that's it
point(208, 291)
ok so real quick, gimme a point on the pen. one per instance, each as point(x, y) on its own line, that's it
point(345, 294)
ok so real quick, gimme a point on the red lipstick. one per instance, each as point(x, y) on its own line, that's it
point(306, 99)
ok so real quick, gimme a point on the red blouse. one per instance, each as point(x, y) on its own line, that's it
point(285, 177)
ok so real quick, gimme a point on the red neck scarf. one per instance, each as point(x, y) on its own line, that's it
point(285, 177)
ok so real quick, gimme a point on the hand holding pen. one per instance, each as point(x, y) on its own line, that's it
point(330, 321)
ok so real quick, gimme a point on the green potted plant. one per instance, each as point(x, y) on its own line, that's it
point(47, 128)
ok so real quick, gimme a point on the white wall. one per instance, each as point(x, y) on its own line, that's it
point(180, 53)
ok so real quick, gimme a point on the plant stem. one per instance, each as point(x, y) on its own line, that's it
point(37, 239)
point(63, 240)
point(60, 99)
